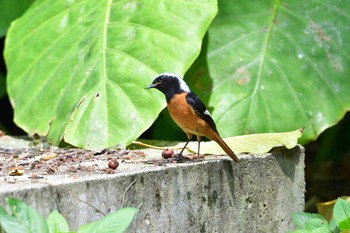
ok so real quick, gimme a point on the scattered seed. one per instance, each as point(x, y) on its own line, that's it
point(113, 164)
point(167, 153)
point(51, 169)
point(47, 156)
point(16, 171)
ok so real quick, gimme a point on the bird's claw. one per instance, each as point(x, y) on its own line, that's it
point(180, 158)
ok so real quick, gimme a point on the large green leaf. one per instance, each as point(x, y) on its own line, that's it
point(310, 223)
point(342, 214)
point(10, 10)
point(9, 223)
point(28, 219)
point(77, 69)
point(273, 66)
point(57, 223)
point(116, 222)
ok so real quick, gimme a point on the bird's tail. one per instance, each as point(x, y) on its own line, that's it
point(225, 147)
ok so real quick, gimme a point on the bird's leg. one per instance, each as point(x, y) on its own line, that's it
point(199, 146)
point(179, 156)
point(182, 150)
point(199, 139)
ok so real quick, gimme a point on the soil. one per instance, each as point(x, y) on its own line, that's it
point(39, 159)
point(58, 161)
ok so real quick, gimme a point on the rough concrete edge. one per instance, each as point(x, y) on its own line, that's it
point(153, 169)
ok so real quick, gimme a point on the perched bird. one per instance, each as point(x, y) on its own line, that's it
point(188, 111)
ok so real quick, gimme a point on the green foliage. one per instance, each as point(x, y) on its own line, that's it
point(118, 220)
point(310, 222)
point(273, 66)
point(57, 223)
point(22, 219)
point(10, 10)
point(306, 222)
point(342, 214)
point(25, 219)
point(264, 66)
point(83, 65)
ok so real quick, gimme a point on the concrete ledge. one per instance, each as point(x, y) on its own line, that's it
point(257, 195)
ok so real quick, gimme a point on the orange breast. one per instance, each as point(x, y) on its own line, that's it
point(186, 118)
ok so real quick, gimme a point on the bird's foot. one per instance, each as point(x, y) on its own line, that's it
point(180, 158)
point(196, 157)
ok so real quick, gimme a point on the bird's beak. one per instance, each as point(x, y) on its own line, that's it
point(153, 85)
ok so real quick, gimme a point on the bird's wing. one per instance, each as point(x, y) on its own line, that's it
point(199, 108)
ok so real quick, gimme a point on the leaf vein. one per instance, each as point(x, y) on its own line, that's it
point(263, 54)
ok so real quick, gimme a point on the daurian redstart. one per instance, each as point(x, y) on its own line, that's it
point(188, 111)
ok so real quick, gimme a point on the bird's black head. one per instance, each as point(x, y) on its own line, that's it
point(170, 84)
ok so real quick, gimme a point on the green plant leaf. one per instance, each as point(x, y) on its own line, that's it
point(252, 143)
point(315, 230)
point(83, 65)
point(344, 225)
point(318, 225)
point(116, 222)
point(28, 219)
point(300, 231)
point(334, 227)
point(326, 208)
point(275, 66)
point(9, 11)
point(9, 223)
point(301, 219)
point(342, 214)
point(57, 223)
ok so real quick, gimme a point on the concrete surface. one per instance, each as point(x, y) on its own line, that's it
point(216, 195)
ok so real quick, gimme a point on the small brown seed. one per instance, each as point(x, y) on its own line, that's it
point(113, 164)
point(167, 153)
